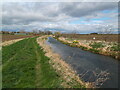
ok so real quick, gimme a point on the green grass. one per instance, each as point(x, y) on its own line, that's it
point(115, 47)
point(94, 50)
point(97, 45)
point(26, 66)
point(83, 48)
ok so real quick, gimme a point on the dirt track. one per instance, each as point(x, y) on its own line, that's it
point(10, 42)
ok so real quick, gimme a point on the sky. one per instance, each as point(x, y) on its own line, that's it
point(65, 17)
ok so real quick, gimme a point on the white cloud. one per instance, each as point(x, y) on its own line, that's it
point(54, 15)
point(59, 0)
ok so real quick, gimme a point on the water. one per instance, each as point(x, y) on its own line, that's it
point(103, 70)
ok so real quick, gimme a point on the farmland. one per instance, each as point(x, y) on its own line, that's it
point(100, 37)
point(7, 37)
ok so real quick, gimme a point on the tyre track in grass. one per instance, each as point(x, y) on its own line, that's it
point(46, 77)
point(37, 67)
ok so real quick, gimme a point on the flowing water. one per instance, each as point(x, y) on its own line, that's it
point(100, 69)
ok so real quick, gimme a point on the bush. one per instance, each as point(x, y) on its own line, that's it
point(57, 34)
point(96, 45)
point(75, 41)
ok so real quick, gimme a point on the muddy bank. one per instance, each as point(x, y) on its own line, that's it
point(69, 77)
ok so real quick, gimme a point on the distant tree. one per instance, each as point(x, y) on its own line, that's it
point(35, 31)
point(40, 32)
point(93, 33)
point(22, 31)
point(74, 33)
point(57, 34)
point(106, 30)
point(48, 32)
point(5, 32)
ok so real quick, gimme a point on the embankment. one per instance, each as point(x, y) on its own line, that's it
point(68, 76)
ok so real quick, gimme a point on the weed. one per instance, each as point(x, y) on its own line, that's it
point(73, 45)
point(96, 45)
point(84, 48)
point(75, 41)
point(115, 48)
point(94, 50)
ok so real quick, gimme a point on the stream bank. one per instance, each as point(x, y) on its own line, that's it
point(98, 69)
point(111, 49)
point(69, 77)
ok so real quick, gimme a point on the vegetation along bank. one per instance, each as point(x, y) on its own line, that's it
point(100, 47)
point(25, 64)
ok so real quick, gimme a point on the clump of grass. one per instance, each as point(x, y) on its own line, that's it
point(94, 50)
point(72, 45)
point(84, 48)
point(115, 48)
point(96, 45)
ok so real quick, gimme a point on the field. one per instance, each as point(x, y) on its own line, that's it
point(25, 66)
point(7, 37)
point(101, 37)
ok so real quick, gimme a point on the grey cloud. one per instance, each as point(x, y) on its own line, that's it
point(82, 9)
point(55, 15)
point(26, 13)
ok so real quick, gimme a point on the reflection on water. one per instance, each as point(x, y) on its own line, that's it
point(102, 70)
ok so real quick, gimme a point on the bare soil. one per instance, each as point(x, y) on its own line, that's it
point(101, 37)
point(13, 37)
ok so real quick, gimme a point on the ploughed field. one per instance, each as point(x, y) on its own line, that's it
point(24, 65)
point(101, 37)
point(7, 37)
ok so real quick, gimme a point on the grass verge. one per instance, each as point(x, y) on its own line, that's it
point(25, 66)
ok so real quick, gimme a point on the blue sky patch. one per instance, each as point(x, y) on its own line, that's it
point(100, 19)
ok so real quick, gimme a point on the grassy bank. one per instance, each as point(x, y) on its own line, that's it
point(24, 65)
point(69, 77)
